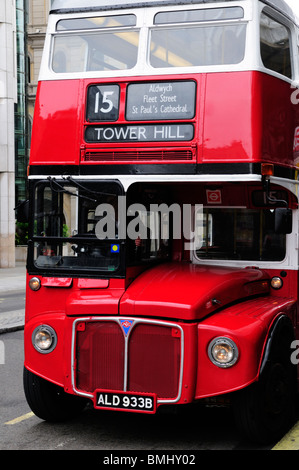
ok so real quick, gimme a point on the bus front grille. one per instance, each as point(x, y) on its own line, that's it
point(130, 355)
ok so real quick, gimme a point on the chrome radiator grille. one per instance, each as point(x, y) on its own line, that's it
point(128, 354)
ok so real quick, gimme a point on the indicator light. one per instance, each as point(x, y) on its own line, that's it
point(276, 282)
point(34, 283)
point(267, 169)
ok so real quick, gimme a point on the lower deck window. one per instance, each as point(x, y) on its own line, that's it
point(240, 234)
point(84, 227)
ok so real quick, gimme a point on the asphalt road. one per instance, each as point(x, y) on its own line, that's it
point(12, 301)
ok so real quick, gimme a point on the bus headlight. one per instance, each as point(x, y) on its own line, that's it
point(44, 339)
point(223, 352)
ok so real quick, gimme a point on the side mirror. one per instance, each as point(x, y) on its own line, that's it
point(283, 220)
point(22, 211)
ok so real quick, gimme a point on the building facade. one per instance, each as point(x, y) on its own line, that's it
point(8, 100)
point(37, 18)
point(31, 23)
point(21, 121)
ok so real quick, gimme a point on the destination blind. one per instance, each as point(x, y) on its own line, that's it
point(160, 101)
point(153, 101)
point(140, 133)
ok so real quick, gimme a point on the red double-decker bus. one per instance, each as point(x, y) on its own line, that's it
point(163, 248)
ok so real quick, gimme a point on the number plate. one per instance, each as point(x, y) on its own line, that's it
point(131, 401)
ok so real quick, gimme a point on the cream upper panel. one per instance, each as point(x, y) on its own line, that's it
point(168, 40)
point(177, 39)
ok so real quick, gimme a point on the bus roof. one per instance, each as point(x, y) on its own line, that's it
point(64, 6)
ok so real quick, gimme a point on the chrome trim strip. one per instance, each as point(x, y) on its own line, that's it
point(73, 358)
point(126, 338)
point(135, 321)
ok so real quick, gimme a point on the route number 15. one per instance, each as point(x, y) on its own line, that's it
point(102, 103)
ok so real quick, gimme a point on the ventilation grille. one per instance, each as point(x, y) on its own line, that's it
point(137, 155)
point(145, 360)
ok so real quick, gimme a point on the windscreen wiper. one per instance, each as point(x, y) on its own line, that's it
point(60, 189)
point(79, 185)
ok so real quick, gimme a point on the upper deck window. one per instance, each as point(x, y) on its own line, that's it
point(275, 46)
point(100, 44)
point(195, 16)
point(197, 45)
point(96, 22)
point(178, 40)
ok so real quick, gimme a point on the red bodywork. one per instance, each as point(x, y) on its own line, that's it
point(188, 305)
point(264, 134)
point(159, 295)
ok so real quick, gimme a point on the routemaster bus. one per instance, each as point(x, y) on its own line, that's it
point(163, 211)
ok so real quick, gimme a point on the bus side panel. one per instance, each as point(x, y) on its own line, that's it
point(227, 138)
point(280, 118)
point(269, 119)
point(56, 127)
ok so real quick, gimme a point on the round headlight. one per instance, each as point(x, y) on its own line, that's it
point(34, 283)
point(44, 339)
point(223, 352)
point(276, 282)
